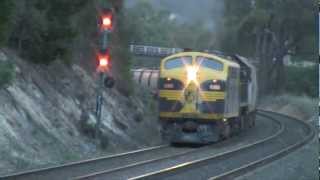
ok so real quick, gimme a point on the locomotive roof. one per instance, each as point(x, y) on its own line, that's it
point(226, 61)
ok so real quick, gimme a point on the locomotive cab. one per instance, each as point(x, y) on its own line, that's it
point(198, 94)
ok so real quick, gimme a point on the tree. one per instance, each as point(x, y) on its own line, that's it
point(269, 30)
point(6, 7)
point(42, 31)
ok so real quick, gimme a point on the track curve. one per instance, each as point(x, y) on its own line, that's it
point(68, 171)
point(233, 163)
point(163, 168)
point(274, 133)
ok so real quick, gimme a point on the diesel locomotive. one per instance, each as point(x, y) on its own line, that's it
point(205, 97)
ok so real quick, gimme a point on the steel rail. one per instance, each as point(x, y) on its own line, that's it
point(64, 167)
point(168, 157)
point(272, 157)
point(155, 174)
point(166, 173)
point(162, 173)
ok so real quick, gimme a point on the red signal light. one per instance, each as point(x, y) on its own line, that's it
point(104, 61)
point(106, 19)
point(107, 22)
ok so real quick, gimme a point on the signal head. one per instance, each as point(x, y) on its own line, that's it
point(103, 58)
point(106, 20)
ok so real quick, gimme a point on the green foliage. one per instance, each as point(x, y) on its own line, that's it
point(6, 73)
point(5, 13)
point(292, 20)
point(43, 31)
point(153, 26)
point(121, 57)
point(302, 81)
point(269, 30)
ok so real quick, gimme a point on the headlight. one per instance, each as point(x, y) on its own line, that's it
point(192, 74)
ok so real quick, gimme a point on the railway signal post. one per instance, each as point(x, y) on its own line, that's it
point(103, 63)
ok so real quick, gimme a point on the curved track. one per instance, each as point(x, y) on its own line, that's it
point(274, 136)
point(273, 156)
point(68, 171)
point(207, 164)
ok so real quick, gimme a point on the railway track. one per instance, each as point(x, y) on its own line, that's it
point(68, 171)
point(204, 164)
point(224, 160)
point(260, 162)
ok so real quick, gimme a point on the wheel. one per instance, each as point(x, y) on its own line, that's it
point(225, 130)
point(253, 119)
point(243, 123)
point(235, 126)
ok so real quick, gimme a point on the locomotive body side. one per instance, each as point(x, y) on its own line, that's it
point(248, 90)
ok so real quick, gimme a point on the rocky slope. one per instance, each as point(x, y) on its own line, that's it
point(40, 116)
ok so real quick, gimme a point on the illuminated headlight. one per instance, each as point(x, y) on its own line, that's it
point(192, 74)
point(215, 87)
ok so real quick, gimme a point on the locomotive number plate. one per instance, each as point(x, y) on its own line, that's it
point(168, 85)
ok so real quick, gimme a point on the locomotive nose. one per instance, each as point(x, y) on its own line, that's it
point(190, 126)
point(190, 96)
point(192, 72)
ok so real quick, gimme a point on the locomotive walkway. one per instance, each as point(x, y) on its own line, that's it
point(273, 137)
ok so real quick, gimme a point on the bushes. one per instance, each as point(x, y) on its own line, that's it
point(302, 81)
point(5, 12)
point(6, 73)
point(42, 31)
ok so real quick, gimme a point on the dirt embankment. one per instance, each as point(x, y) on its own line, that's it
point(40, 117)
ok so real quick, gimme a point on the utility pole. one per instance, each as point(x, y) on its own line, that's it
point(104, 79)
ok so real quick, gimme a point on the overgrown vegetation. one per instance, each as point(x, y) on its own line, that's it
point(261, 29)
point(5, 13)
point(154, 26)
point(268, 31)
point(121, 63)
point(6, 73)
point(42, 31)
point(302, 81)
